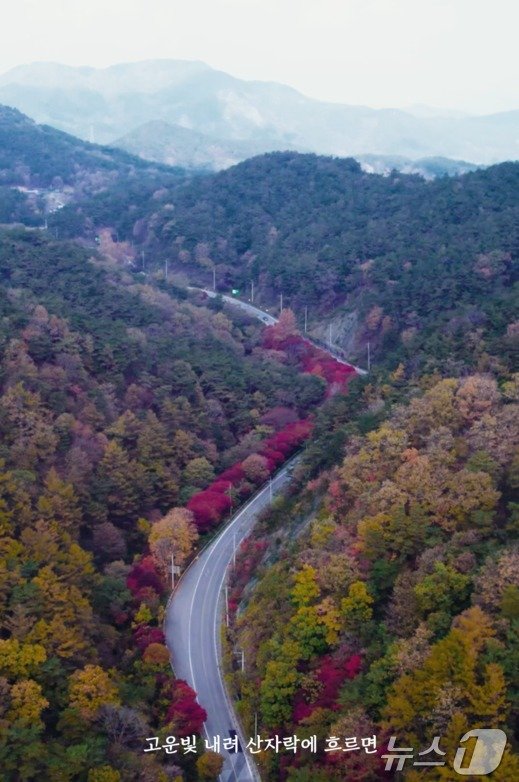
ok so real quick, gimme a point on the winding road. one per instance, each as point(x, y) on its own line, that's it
point(196, 610)
point(193, 622)
point(269, 320)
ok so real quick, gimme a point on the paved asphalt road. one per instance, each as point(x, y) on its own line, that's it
point(269, 320)
point(193, 623)
point(195, 613)
point(243, 305)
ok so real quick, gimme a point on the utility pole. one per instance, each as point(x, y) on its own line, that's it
point(214, 278)
point(241, 655)
point(306, 318)
point(330, 336)
point(143, 256)
point(252, 291)
point(166, 269)
point(227, 605)
point(369, 357)
point(281, 302)
point(175, 571)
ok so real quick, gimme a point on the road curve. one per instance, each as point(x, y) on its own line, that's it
point(195, 611)
point(269, 320)
point(192, 628)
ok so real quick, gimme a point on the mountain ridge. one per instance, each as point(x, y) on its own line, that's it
point(174, 145)
point(43, 168)
point(117, 100)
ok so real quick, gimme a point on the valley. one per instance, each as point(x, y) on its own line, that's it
point(144, 398)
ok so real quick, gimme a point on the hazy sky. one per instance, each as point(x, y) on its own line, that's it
point(452, 53)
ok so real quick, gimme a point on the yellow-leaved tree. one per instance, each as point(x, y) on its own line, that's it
point(452, 680)
point(27, 704)
point(20, 659)
point(175, 534)
point(89, 689)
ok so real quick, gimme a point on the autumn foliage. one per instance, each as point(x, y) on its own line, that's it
point(330, 675)
point(283, 337)
point(120, 405)
point(396, 610)
point(210, 506)
point(185, 716)
point(144, 574)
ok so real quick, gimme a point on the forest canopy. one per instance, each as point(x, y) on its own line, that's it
point(118, 403)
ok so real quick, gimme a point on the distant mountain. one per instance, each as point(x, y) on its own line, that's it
point(177, 146)
point(427, 167)
point(107, 104)
point(143, 77)
point(422, 110)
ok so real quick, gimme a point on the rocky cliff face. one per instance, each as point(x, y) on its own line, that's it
point(344, 333)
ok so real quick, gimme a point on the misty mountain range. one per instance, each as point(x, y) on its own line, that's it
point(186, 113)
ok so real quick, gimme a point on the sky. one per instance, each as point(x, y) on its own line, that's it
point(456, 54)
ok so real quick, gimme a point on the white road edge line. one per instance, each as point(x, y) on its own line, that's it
point(217, 623)
point(207, 554)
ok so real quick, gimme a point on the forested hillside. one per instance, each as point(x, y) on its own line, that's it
point(412, 262)
point(118, 403)
point(40, 154)
point(403, 254)
point(42, 168)
point(388, 594)
point(382, 596)
point(394, 260)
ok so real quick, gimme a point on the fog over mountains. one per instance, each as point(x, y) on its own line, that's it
point(187, 113)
